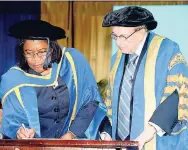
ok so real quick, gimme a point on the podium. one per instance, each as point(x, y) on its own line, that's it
point(57, 144)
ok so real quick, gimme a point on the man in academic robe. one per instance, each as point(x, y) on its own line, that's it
point(147, 97)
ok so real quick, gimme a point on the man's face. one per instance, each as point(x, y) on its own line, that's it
point(35, 53)
point(128, 38)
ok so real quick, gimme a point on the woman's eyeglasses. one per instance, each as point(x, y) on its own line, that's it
point(41, 53)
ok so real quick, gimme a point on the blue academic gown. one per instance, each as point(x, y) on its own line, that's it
point(19, 97)
point(168, 68)
point(53, 108)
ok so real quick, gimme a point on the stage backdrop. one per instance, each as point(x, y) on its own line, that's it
point(172, 23)
point(10, 13)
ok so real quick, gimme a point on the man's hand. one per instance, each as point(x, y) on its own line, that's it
point(25, 133)
point(145, 136)
point(68, 136)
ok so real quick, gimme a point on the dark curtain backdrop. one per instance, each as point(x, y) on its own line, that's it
point(10, 13)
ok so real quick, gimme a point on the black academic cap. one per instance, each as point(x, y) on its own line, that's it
point(36, 28)
point(131, 16)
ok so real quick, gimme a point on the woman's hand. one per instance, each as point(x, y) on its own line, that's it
point(25, 133)
point(68, 136)
point(105, 136)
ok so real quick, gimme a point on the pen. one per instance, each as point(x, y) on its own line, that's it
point(24, 127)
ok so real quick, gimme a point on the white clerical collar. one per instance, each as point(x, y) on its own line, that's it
point(140, 46)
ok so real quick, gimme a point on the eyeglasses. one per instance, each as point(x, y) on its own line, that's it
point(41, 53)
point(122, 37)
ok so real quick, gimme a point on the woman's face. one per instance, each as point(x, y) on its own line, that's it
point(35, 53)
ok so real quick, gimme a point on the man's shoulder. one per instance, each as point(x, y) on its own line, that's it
point(167, 46)
point(167, 42)
point(170, 47)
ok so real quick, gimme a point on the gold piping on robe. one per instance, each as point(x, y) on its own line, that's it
point(69, 57)
point(34, 85)
point(111, 82)
point(18, 95)
point(149, 85)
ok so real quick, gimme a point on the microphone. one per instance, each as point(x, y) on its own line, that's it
point(47, 62)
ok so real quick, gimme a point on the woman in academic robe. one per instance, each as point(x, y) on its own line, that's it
point(51, 92)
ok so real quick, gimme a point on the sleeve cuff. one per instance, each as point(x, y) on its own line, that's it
point(160, 131)
point(103, 135)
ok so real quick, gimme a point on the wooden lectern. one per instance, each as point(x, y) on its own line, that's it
point(56, 144)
